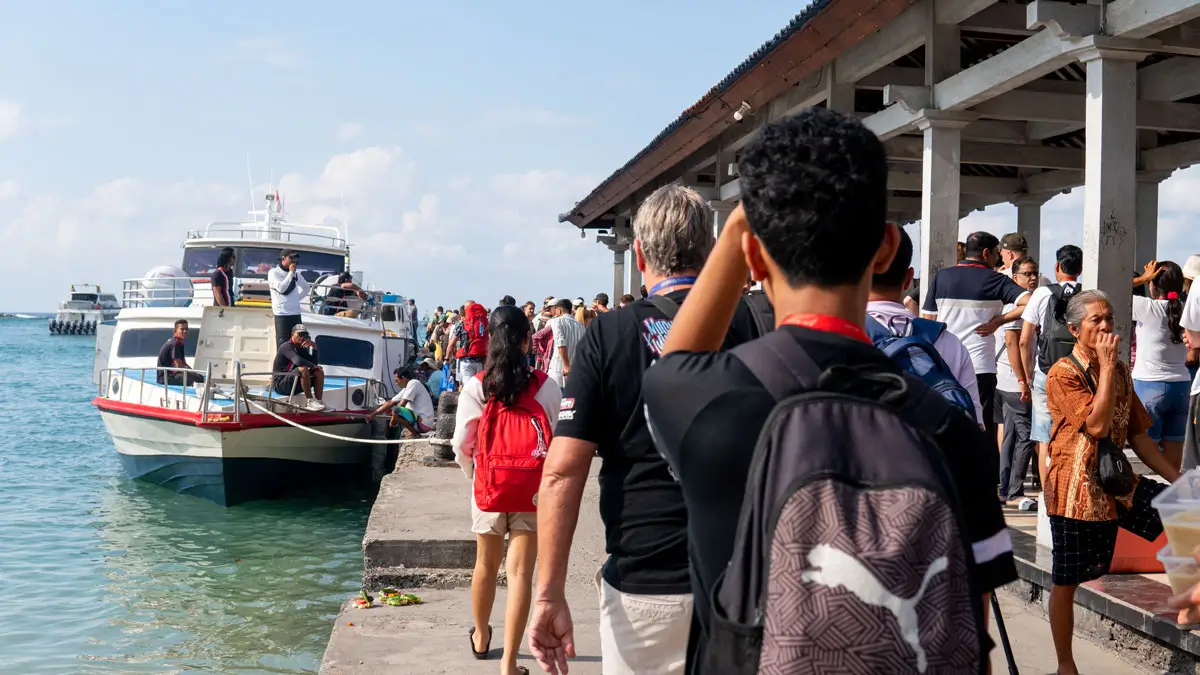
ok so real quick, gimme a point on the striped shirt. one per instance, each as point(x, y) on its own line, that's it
point(966, 296)
point(567, 333)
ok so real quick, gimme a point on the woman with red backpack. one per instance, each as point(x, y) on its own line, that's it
point(505, 420)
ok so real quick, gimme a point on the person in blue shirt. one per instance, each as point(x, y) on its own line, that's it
point(431, 375)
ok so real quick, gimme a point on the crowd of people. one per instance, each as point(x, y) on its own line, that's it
point(726, 446)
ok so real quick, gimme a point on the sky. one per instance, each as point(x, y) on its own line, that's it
point(455, 132)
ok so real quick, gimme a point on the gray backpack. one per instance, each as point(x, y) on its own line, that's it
point(851, 553)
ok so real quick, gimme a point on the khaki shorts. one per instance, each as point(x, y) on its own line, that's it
point(643, 634)
point(484, 522)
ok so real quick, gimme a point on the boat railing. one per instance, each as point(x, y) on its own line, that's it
point(157, 292)
point(203, 395)
point(276, 230)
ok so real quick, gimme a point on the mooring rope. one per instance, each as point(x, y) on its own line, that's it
point(368, 441)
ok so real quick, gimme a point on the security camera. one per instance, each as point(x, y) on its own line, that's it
point(582, 234)
point(743, 110)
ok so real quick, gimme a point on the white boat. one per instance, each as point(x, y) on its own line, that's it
point(83, 311)
point(232, 438)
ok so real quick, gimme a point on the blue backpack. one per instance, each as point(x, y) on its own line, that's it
point(916, 354)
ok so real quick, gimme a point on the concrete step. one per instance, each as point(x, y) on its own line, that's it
point(375, 578)
point(421, 519)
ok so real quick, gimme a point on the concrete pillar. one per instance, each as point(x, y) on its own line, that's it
point(1110, 173)
point(635, 275)
point(721, 211)
point(940, 184)
point(1029, 223)
point(1146, 231)
point(618, 273)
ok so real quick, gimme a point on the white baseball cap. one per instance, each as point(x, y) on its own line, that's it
point(1191, 268)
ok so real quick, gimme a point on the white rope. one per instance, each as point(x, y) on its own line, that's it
point(368, 441)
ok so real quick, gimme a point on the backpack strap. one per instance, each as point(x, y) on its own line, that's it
point(928, 330)
point(780, 363)
point(762, 311)
point(665, 305)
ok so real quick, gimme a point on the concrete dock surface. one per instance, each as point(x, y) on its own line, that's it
point(421, 520)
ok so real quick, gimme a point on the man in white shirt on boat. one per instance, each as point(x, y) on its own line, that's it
point(411, 408)
point(288, 287)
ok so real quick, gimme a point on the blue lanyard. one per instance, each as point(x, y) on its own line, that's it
point(672, 281)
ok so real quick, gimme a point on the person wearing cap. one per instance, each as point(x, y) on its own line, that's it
point(1191, 270)
point(297, 369)
point(431, 374)
point(287, 288)
point(1013, 247)
point(346, 298)
point(567, 333)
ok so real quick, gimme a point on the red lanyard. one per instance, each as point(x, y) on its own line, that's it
point(972, 263)
point(829, 324)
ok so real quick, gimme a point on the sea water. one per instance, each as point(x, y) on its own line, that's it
point(101, 574)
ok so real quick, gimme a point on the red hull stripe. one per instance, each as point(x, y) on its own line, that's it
point(216, 421)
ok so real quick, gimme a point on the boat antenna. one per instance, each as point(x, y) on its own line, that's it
point(250, 176)
point(345, 223)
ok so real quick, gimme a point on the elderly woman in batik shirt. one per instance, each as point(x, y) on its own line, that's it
point(1090, 395)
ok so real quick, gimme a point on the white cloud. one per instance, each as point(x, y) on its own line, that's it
point(8, 189)
point(10, 119)
point(272, 51)
point(532, 117)
point(349, 131)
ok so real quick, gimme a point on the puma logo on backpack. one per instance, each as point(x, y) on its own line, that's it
point(850, 519)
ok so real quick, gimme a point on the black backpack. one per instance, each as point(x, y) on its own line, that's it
point(851, 520)
point(761, 309)
point(1055, 340)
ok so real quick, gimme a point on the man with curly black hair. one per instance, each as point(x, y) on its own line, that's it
point(812, 227)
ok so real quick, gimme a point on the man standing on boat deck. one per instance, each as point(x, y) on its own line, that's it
point(222, 278)
point(287, 288)
point(297, 359)
point(171, 354)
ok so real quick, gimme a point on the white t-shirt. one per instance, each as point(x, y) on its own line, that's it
point(1006, 377)
point(896, 318)
point(1191, 321)
point(1158, 359)
point(418, 400)
point(1039, 311)
point(287, 289)
point(470, 409)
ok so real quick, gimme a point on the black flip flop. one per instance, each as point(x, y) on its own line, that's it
point(486, 648)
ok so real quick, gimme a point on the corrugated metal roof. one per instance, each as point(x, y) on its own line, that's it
point(795, 25)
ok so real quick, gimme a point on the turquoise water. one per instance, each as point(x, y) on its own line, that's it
point(99, 574)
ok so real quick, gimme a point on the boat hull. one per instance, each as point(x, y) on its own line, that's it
point(230, 464)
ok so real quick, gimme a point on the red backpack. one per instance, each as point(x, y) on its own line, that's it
point(475, 324)
point(510, 449)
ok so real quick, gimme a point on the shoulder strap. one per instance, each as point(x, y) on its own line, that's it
point(762, 311)
point(877, 331)
point(665, 305)
point(1083, 371)
point(780, 363)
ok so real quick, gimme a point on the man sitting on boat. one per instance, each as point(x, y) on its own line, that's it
point(287, 288)
point(297, 368)
point(171, 355)
point(411, 408)
point(346, 298)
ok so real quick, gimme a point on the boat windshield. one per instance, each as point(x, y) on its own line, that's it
point(254, 263)
point(83, 297)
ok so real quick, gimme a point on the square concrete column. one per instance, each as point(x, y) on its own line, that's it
point(1146, 231)
point(721, 211)
point(940, 186)
point(635, 276)
point(618, 273)
point(1110, 173)
point(1029, 223)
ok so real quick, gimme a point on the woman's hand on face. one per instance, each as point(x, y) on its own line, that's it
point(1106, 349)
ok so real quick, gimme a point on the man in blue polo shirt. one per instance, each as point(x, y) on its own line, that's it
point(970, 298)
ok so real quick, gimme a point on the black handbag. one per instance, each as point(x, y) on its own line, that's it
point(1113, 470)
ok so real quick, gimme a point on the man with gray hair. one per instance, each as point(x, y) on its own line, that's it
point(644, 586)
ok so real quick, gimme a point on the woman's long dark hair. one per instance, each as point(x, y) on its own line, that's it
point(506, 371)
point(1170, 281)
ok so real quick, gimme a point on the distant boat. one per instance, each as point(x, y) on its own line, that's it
point(233, 438)
point(85, 309)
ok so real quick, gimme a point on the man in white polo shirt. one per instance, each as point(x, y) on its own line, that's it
point(1190, 321)
point(287, 288)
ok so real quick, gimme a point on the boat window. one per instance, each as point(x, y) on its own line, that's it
point(256, 262)
point(147, 341)
point(83, 297)
point(388, 313)
point(200, 262)
point(347, 352)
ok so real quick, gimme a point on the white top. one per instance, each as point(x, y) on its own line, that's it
point(1158, 359)
point(894, 316)
point(567, 333)
point(1006, 378)
point(1191, 321)
point(286, 295)
point(470, 409)
point(418, 400)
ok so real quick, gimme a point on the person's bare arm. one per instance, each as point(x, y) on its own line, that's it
point(704, 319)
point(1028, 341)
point(1012, 344)
point(1147, 451)
point(1149, 273)
point(566, 360)
point(564, 476)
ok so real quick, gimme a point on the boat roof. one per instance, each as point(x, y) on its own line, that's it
point(269, 227)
